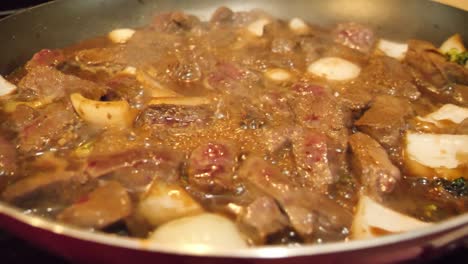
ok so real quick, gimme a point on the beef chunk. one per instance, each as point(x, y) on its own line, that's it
point(385, 121)
point(264, 217)
point(174, 22)
point(211, 166)
point(354, 36)
point(309, 212)
point(222, 15)
point(102, 207)
point(444, 81)
point(313, 159)
point(162, 163)
point(45, 57)
point(371, 163)
point(48, 83)
point(55, 121)
point(46, 180)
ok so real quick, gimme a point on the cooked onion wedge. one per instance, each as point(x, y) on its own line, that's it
point(10, 106)
point(373, 219)
point(106, 114)
point(334, 68)
point(393, 49)
point(6, 87)
point(121, 35)
point(154, 88)
point(298, 26)
point(448, 112)
point(189, 101)
point(164, 202)
point(278, 75)
point(454, 42)
point(204, 230)
point(256, 27)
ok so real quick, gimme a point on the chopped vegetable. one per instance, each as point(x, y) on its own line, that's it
point(209, 230)
point(450, 112)
point(121, 35)
point(298, 26)
point(116, 114)
point(256, 27)
point(456, 56)
point(457, 187)
point(6, 87)
point(455, 43)
point(373, 219)
point(165, 202)
point(334, 68)
point(393, 49)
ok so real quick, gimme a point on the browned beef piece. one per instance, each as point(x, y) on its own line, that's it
point(385, 121)
point(313, 158)
point(55, 121)
point(46, 82)
point(174, 22)
point(102, 207)
point(176, 116)
point(309, 212)
point(315, 107)
point(444, 81)
point(354, 36)
point(264, 217)
point(371, 163)
point(159, 163)
point(211, 166)
point(51, 174)
point(230, 78)
point(7, 157)
point(45, 57)
point(222, 15)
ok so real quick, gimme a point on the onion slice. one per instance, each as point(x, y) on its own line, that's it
point(6, 87)
point(334, 68)
point(188, 101)
point(121, 35)
point(105, 114)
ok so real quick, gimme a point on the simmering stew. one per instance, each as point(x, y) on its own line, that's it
point(238, 131)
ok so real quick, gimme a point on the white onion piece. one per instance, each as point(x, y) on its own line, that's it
point(454, 42)
point(106, 114)
point(129, 70)
point(393, 49)
point(207, 230)
point(450, 112)
point(372, 219)
point(189, 101)
point(298, 26)
point(121, 35)
point(164, 202)
point(153, 87)
point(334, 68)
point(256, 27)
point(278, 75)
point(6, 87)
point(437, 150)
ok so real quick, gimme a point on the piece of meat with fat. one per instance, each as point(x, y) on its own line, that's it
point(52, 175)
point(385, 121)
point(232, 79)
point(372, 165)
point(309, 213)
point(173, 22)
point(314, 159)
point(102, 207)
point(176, 116)
point(165, 164)
point(46, 82)
point(8, 160)
point(211, 166)
point(54, 121)
point(45, 57)
point(222, 15)
point(355, 36)
point(263, 217)
point(444, 81)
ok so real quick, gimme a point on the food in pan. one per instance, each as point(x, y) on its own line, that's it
point(239, 131)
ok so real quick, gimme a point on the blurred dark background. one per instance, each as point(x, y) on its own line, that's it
point(8, 7)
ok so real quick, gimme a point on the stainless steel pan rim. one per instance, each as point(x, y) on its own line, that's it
point(460, 222)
